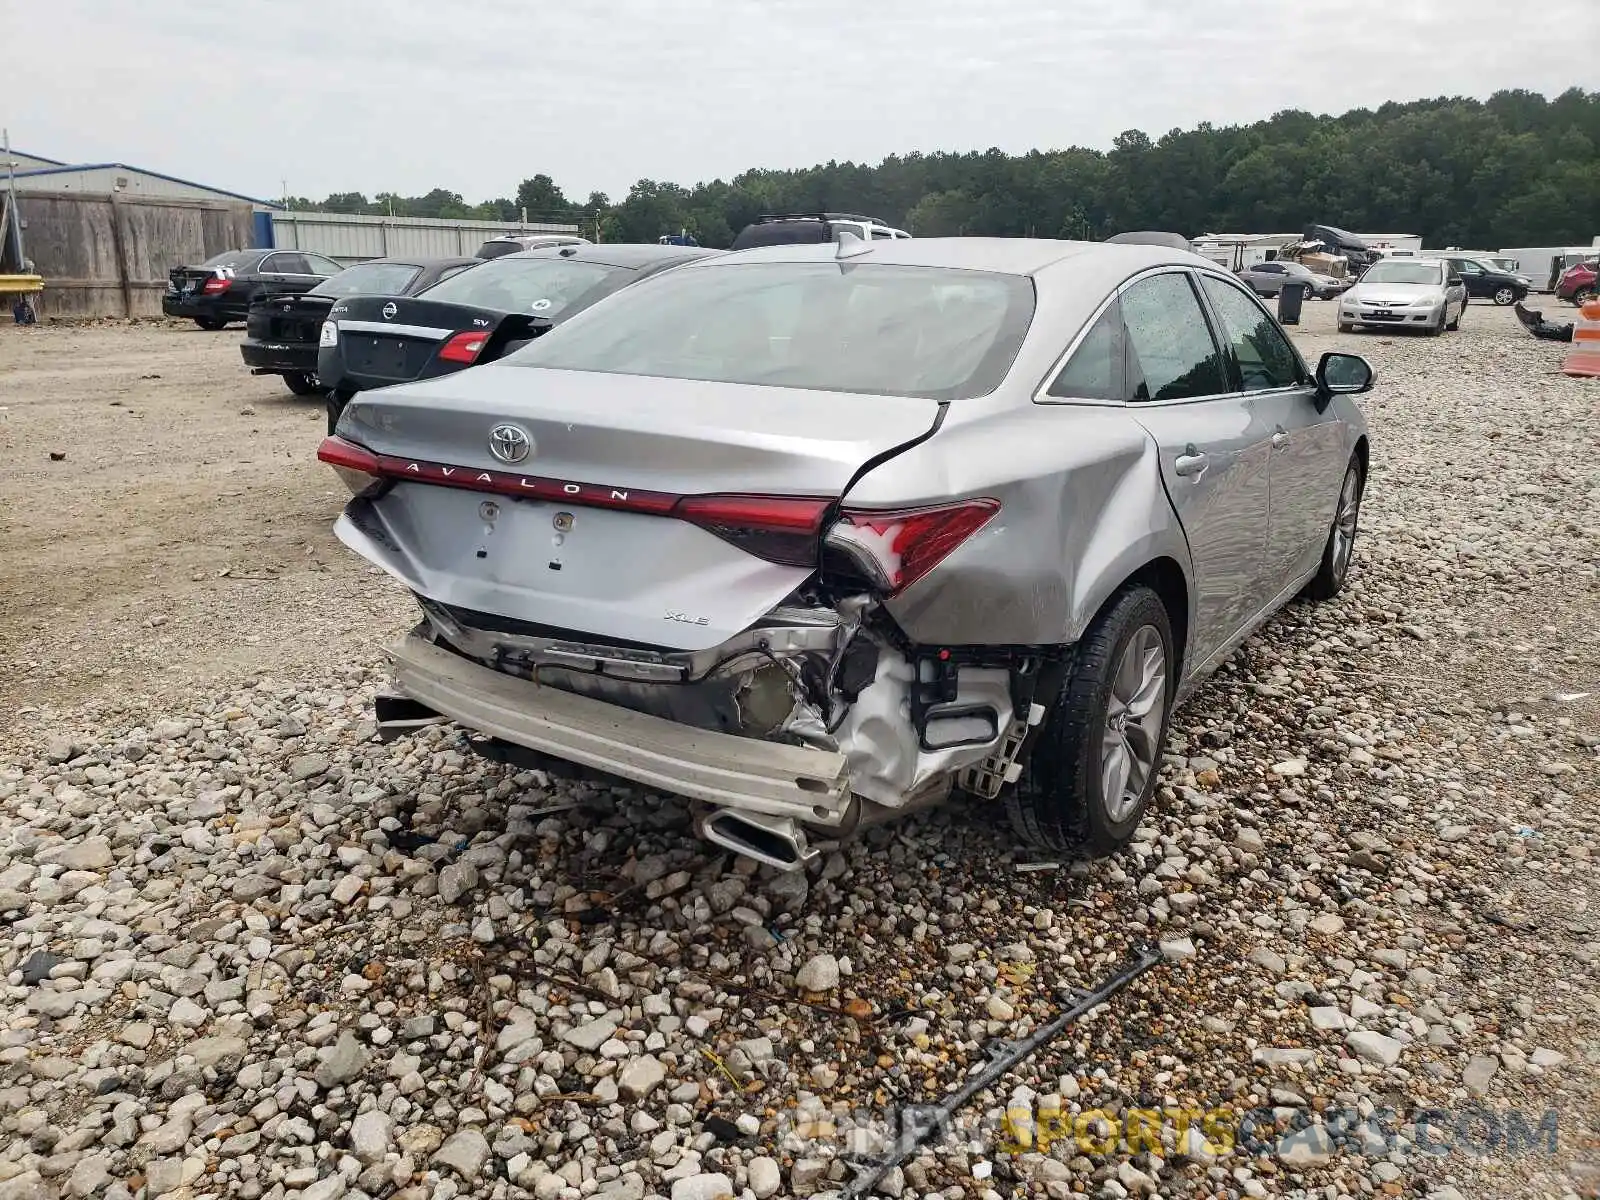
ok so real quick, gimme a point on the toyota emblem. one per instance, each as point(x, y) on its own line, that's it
point(509, 443)
point(389, 310)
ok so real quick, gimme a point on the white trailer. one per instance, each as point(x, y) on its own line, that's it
point(1544, 264)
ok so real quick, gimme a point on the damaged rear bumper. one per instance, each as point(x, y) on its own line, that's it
point(771, 779)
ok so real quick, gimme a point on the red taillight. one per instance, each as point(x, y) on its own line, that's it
point(464, 347)
point(357, 466)
point(899, 547)
point(780, 529)
point(215, 284)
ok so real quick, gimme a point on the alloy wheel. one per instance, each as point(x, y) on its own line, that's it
point(1345, 520)
point(1130, 745)
point(1504, 296)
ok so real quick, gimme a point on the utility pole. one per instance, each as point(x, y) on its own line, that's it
point(11, 191)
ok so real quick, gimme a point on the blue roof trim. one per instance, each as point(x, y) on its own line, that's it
point(106, 166)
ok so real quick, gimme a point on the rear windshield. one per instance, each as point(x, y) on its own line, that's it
point(1401, 272)
point(544, 287)
point(836, 326)
point(239, 260)
point(370, 279)
point(782, 233)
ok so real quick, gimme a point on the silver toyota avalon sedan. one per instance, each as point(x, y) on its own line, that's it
point(815, 535)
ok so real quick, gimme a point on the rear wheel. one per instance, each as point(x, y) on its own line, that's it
point(1504, 296)
point(210, 324)
point(303, 383)
point(1337, 552)
point(1094, 769)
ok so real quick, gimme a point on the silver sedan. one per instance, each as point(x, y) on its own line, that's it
point(814, 535)
point(1407, 293)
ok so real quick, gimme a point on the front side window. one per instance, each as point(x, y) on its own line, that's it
point(1171, 353)
point(870, 328)
point(542, 287)
point(1265, 358)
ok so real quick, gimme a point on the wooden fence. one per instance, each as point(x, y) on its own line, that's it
point(108, 255)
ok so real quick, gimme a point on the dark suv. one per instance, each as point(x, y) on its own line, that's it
point(791, 229)
point(1484, 281)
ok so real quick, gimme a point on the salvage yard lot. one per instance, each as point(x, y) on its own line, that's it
point(1372, 862)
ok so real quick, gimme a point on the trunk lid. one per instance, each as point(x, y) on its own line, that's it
point(189, 280)
point(578, 538)
point(385, 340)
point(292, 320)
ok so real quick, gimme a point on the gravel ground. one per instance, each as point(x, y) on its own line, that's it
point(253, 953)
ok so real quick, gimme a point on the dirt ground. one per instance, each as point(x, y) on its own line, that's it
point(185, 532)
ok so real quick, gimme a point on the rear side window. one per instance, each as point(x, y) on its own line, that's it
point(1265, 358)
point(1094, 372)
point(1171, 353)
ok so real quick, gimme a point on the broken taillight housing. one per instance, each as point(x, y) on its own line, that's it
point(894, 548)
point(780, 529)
point(356, 465)
point(464, 347)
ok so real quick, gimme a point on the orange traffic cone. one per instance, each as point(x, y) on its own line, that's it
point(1585, 357)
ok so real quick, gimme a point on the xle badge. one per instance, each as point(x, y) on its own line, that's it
point(686, 619)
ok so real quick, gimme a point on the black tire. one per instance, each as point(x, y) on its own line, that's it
point(336, 402)
point(302, 383)
point(1334, 569)
point(1059, 803)
point(210, 324)
point(1436, 328)
point(1346, 327)
point(1583, 295)
point(1506, 295)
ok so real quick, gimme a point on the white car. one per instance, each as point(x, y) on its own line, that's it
point(1417, 293)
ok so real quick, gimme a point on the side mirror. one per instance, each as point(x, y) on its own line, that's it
point(1343, 375)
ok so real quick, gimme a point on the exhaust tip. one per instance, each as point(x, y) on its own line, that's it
point(775, 841)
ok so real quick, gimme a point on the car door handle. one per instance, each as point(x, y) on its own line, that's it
point(1193, 463)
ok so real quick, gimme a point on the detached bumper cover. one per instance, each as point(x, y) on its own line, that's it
point(741, 773)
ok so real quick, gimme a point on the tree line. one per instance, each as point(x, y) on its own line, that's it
point(1514, 170)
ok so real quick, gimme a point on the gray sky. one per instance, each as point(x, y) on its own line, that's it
point(406, 95)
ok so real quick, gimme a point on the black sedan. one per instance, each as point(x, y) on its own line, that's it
point(281, 332)
point(222, 288)
point(475, 317)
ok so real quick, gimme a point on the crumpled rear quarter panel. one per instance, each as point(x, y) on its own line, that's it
point(1082, 508)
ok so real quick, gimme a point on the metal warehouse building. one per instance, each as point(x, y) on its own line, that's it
point(112, 178)
point(104, 235)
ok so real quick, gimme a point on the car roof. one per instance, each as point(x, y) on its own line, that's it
point(1007, 256)
point(631, 255)
point(421, 263)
